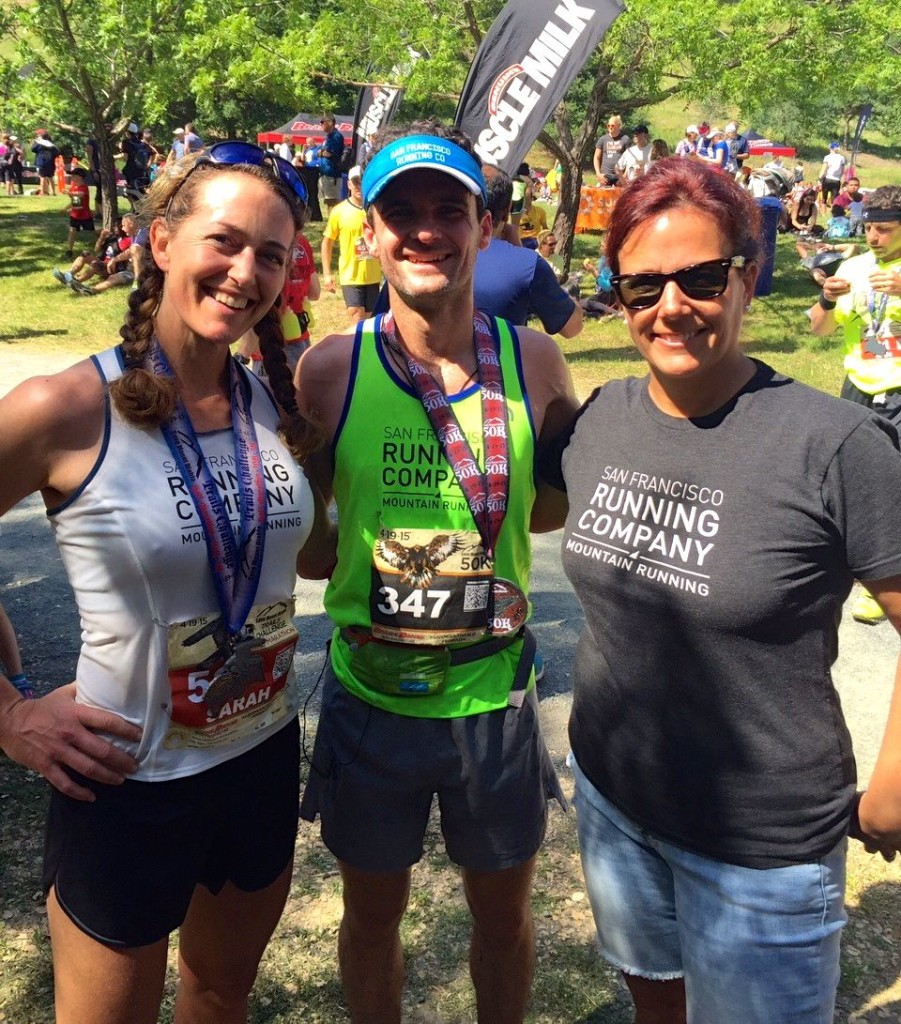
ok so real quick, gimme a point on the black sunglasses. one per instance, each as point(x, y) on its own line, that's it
point(706, 280)
point(236, 152)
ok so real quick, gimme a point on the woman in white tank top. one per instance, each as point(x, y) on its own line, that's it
point(172, 482)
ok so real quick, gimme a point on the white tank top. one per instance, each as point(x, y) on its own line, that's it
point(152, 635)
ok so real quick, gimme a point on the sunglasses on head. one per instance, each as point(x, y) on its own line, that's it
point(706, 280)
point(236, 152)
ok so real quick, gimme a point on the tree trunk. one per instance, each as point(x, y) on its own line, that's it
point(568, 209)
point(106, 151)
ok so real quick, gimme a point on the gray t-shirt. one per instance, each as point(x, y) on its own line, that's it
point(611, 150)
point(712, 558)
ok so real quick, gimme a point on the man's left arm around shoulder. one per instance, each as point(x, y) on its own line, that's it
point(554, 409)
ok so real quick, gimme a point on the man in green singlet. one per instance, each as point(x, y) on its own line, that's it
point(434, 413)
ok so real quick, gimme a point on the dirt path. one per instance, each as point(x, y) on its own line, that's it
point(36, 594)
point(19, 363)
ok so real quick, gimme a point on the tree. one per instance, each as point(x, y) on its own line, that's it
point(88, 61)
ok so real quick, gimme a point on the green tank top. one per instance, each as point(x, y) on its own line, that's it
point(410, 563)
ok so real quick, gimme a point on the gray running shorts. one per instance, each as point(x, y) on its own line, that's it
point(373, 776)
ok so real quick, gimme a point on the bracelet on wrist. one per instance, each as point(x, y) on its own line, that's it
point(21, 683)
point(825, 303)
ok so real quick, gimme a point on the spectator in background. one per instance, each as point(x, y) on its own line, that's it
point(79, 209)
point(284, 149)
point(136, 169)
point(12, 164)
point(636, 159)
point(863, 298)
point(359, 272)
point(831, 173)
point(718, 150)
point(533, 220)
point(522, 184)
point(855, 214)
point(152, 151)
point(798, 172)
point(311, 153)
point(45, 154)
point(10, 657)
point(659, 150)
point(547, 250)
point(92, 154)
point(739, 151)
point(803, 207)
point(330, 162)
point(608, 149)
point(703, 141)
point(178, 145)
point(838, 227)
point(193, 142)
point(850, 188)
point(310, 175)
point(513, 282)
point(688, 144)
point(821, 259)
point(110, 262)
point(59, 173)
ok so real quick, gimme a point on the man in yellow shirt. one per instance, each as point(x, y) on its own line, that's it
point(359, 273)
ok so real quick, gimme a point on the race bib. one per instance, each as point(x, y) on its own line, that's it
point(885, 345)
point(224, 689)
point(429, 587)
point(361, 249)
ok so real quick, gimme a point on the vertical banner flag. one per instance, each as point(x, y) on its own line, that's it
point(526, 62)
point(866, 113)
point(376, 107)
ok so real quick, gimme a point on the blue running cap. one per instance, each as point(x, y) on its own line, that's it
point(416, 153)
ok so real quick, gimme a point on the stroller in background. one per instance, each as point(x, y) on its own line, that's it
point(775, 182)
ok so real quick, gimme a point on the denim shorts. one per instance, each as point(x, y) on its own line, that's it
point(755, 946)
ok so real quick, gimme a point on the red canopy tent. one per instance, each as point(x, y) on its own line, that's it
point(759, 146)
point(303, 127)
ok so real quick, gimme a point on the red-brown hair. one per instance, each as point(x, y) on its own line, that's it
point(677, 182)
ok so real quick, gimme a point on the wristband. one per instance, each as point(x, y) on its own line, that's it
point(21, 683)
point(825, 303)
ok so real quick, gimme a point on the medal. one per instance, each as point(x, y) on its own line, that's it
point(235, 567)
point(509, 607)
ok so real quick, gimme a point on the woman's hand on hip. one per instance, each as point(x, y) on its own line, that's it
point(54, 733)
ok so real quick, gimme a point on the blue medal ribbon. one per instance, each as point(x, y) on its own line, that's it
point(235, 567)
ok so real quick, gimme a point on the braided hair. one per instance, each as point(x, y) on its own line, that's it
point(146, 399)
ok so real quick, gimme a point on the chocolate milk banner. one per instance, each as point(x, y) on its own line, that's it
point(533, 51)
point(376, 107)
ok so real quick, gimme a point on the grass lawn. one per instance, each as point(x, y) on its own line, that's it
point(298, 981)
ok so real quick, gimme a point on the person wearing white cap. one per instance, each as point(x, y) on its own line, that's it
point(687, 146)
point(12, 164)
point(178, 145)
point(359, 273)
point(738, 148)
point(719, 149)
point(435, 413)
point(136, 169)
